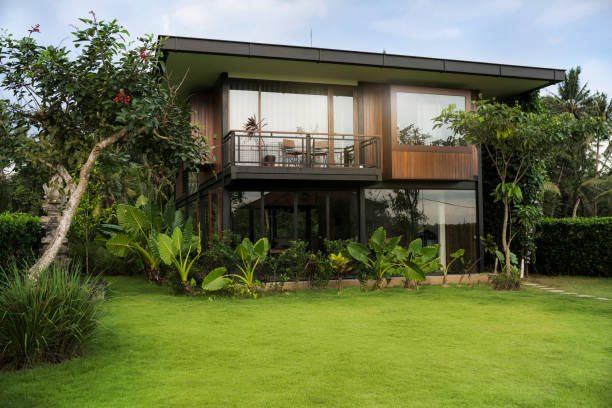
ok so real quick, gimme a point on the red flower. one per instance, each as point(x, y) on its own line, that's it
point(144, 55)
point(34, 29)
point(122, 97)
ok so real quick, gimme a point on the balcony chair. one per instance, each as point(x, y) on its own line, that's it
point(320, 150)
point(291, 154)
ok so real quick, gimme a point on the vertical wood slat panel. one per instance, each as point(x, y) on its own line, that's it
point(435, 165)
point(206, 112)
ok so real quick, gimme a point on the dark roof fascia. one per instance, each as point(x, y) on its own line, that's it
point(333, 56)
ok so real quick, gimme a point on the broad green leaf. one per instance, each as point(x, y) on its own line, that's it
point(358, 251)
point(378, 239)
point(215, 279)
point(177, 239)
point(141, 201)
point(458, 253)
point(261, 248)
point(391, 244)
point(415, 246)
point(133, 220)
point(165, 248)
point(119, 245)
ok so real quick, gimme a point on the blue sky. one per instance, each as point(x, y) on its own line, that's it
point(555, 34)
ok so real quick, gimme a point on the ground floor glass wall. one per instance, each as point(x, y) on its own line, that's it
point(284, 216)
point(445, 217)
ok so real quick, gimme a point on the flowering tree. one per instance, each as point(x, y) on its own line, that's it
point(76, 105)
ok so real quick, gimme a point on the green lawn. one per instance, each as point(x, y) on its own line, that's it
point(581, 284)
point(438, 347)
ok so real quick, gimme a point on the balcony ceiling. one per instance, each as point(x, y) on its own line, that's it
point(204, 60)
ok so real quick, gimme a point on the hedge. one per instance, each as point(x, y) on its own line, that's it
point(20, 236)
point(574, 246)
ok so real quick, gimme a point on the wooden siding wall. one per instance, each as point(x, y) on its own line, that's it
point(206, 112)
point(372, 112)
point(459, 163)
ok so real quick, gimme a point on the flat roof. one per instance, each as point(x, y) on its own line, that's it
point(248, 59)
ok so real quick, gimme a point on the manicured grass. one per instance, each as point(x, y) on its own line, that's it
point(585, 285)
point(455, 347)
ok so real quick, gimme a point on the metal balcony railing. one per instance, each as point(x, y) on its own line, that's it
point(302, 150)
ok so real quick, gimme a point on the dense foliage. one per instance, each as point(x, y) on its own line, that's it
point(575, 246)
point(71, 106)
point(20, 236)
point(50, 321)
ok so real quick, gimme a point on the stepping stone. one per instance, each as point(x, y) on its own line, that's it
point(547, 288)
point(603, 298)
point(530, 284)
point(585, 296)
point(569, 293)
point(557, 291)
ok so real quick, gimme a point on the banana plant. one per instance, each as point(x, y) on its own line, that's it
point(383, 256)
point(418, 261)
point(139, 226)
point(181, 249)
point(250, 256)
point(458, 254)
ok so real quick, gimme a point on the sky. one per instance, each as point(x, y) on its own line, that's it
point(553, 34)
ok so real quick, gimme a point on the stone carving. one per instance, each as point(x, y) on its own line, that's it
point(56, 196)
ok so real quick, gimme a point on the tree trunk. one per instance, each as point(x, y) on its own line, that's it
point(52, 249)
point(505, 244)
point(576, 205)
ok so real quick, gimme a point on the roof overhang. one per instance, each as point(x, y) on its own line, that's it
point(203, 60)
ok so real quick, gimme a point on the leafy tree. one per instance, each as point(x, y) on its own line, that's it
point(513, 140)
point(580, 162)
point(76, 105)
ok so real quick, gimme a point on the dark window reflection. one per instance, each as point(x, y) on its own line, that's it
point(278, 210)
point(447, 217)
point(246, 212)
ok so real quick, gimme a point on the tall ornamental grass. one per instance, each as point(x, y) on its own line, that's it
point(47, 322)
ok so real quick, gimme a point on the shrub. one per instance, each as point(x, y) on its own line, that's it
point(219, 253)
point(20, 236)
point(574, 246)
point(502, 281)
point(322, 270)
point(48, 322)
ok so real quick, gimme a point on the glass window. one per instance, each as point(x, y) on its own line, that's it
point(311, 219)
point(246, 212)
point(278, 210)
point(294, 107)
point(243, 103)
point(343, 215)
point(343, 111)
point(415, 113)
point(445, 217)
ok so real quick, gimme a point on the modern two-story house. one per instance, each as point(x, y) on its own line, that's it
point(313, 143)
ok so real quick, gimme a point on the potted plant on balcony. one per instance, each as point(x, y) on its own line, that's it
point(251, 126)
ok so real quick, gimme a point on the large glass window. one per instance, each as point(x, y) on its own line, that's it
point(343, 215)
point(246, 213)
point(311, 219)
point(445, 217)
point(415, 113)
point(244, 103)
point(278, 210)
point(294, 107)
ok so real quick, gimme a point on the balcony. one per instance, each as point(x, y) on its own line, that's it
point(301, 156)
